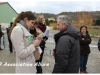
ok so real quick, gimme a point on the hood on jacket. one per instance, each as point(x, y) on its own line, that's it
point(72, 31)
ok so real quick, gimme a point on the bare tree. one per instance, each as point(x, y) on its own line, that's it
point(84, 18)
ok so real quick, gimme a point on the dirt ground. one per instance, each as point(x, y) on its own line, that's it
point(93, 65)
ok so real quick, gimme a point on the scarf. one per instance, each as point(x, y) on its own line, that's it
point(58, 35)
point(23, 24)
point(42, 27)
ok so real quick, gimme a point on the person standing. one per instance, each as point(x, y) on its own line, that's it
point(23, 42)
point(1, 34)
point(85, 40)
point(41, 25)
point(67, 50)
point(98, 44)
point(10, 43)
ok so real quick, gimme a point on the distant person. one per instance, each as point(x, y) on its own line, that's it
point(1, 34)
point(85, 40)
point(99, 44)
point(23, 43)
point(10, 43)
point(67, 50)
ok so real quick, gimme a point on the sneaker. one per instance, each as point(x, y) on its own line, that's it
point(85, 72)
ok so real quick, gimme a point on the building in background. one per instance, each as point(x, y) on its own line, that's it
point(7, 13)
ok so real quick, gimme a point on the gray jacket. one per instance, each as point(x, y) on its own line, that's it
point(67, 52)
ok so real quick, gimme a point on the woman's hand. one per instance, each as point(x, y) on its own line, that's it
point(53, 53)
point(40, 33)
point(37, 42)
point(36, 48)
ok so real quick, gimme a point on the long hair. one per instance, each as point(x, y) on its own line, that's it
point(85, 27)
point(33, 31)
point(21, 16)
point(40, 24)
point(39, 20)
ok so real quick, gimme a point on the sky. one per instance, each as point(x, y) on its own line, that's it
point(54, 6)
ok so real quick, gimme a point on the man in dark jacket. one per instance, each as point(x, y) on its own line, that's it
point(10, 43)
point(99, 44)
point(67, 50)
point(1, 34)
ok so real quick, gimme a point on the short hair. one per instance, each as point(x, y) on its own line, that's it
point(64, 19)
point(11, 23)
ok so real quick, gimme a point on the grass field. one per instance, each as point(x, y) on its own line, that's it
point(91, 31)
point(94, 32)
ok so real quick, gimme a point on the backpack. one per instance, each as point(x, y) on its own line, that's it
point(99, 44)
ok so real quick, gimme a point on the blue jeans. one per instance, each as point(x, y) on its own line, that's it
point(83, 62)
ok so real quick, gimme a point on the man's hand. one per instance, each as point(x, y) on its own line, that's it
point(53, 53)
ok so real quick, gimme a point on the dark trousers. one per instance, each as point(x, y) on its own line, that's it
point(41, 56)
point(39, 68)
point(10, 45)
point(0, 42)
point(83, 62)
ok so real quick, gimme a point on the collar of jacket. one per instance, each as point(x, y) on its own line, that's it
point(23, 24)
point(26, 32)
point(58, 35)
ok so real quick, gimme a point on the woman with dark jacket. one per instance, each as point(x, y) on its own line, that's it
point(42, 26)
point(85, 40)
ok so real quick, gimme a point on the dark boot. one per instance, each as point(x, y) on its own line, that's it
point(38, 67)
point(1, 48)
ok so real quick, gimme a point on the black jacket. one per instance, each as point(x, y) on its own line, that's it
point(84, 44)
point(1, 33)
point(99, 44)
point(67, 51)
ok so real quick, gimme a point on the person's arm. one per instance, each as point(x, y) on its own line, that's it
point(62, 54)
point(2, 33)
point(17, 39)
point(85, 41)
point(40, 33)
